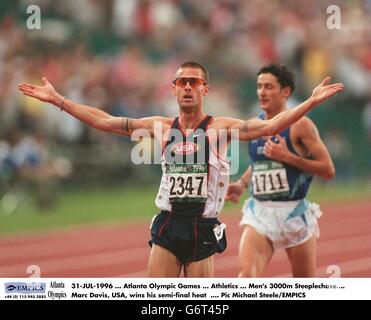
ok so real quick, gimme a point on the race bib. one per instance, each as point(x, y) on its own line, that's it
point(269, 178)
point(187, 182)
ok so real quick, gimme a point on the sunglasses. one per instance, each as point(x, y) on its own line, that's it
point(193, 82)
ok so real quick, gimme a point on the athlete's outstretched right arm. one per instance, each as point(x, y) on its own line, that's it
point(91, 116)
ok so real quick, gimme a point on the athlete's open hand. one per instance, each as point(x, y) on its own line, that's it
point(46, 92)
point(325, 90)
point(276, 150)
point(234, 192)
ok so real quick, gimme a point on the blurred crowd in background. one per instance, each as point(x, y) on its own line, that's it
point(121, 55)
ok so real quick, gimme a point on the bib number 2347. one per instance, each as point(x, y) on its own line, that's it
point(188, 182)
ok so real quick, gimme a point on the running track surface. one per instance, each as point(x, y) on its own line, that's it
point(121, 250)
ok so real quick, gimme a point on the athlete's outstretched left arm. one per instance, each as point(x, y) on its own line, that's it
point(255, 128)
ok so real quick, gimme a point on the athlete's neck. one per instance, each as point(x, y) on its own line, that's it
point(269, 114)
point(189, 120)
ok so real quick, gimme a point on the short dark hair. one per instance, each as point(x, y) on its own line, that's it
point(194, 64)
point(284, 76)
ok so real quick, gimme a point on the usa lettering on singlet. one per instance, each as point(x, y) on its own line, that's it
point(194, 179)
point(273, 180)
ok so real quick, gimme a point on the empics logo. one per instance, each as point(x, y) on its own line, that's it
point(11, 288)
point(23, 287)
point(185, 147)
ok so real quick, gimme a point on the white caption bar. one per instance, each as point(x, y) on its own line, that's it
point(191, 289)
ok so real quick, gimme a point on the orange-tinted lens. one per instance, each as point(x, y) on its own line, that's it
point(193, 82)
